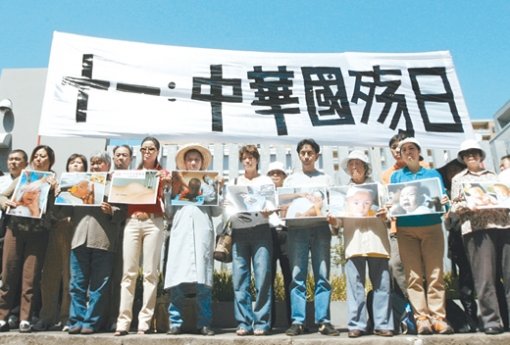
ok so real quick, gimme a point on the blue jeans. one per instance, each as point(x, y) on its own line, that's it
point(317, 240)
point(203, 299)
point(355, 270)
point(252, 246)
point(91, 270)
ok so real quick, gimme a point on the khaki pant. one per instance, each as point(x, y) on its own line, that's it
point(422, 251)
point(141, 237)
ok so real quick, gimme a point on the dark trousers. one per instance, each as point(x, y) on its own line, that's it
point(23, 258)
point(488, 252)
point(280, 254)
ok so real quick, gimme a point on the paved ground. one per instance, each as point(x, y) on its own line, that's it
point(61, 338)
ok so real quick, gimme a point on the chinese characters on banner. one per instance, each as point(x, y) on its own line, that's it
point(107, 88)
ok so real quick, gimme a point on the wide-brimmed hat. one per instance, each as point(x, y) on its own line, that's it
point(470, 144)
point(204, 151)
point(356, 154)
point(407, 141)
point(276, 166)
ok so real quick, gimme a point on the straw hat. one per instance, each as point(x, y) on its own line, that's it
point(204, 151)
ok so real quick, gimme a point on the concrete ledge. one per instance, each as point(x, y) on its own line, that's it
point(51, 338)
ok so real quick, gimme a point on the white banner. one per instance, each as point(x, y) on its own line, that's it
point(117, 89)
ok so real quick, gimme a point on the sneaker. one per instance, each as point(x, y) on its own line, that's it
point(327, 329)
point(4, 326)
point(295, 329)
point(25, 326)
point(440, 326)
point(13, 321)
point(40, 326)
point(423, 326)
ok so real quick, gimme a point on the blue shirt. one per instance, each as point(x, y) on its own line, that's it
point(406, 175)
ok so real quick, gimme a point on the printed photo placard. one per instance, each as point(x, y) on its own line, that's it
point(81, 189)
point(195, 188)
point(251, 198)
point(31, 194)
point(415, 197)
point(487, 194)
point(134, 187)
point(357, 201)
point(303, 205)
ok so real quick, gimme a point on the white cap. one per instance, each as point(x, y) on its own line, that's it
point(356, 154)
point(470, 144)
point(407, 141)
point(6, 103)
point(276, 166)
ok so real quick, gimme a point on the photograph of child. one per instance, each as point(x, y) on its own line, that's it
point(194, 188)
point(416, 197)
point(358, 201)
point(251, 198)
point(31, 194)
point(488, 194)
point(138, 187)
point(81, 189)
point(302, 202)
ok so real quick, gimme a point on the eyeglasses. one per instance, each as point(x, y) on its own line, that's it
point(148, 149)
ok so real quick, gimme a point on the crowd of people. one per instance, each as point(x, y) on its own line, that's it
point(76, 268)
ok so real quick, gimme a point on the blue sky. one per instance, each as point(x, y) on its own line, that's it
point(477, 33)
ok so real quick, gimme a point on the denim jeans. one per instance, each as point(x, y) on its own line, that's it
point(317, 240)
point(252, 246)
point(91, 270)
point(203, 300)
point(378, 271)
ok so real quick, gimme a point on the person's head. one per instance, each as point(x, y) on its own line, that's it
point(42, 158)
point(76, 163)
point(194, 185)
point(149, 148)
point(29, 194)
point(504, 162)
point(308, 151)
point(393, 145)
point(316, 196)
point(249, 156)
point(471, 154)
point(17, 161)
point(411, 196)
point(193, 157)
point(276, 172)
point(357, 166)
point(100, 162)
point(410, 150)
point(80, 190)
point(122, 156)
point(359, 201)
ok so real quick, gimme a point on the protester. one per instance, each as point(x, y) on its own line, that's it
point(25, 246)
point(122, 157)
point(190, 264)
point(276, 172)
point(93, 244)
point(252, 246)
point(366, 243)
point(143, 235)
point(421, 245)
point(306, 238)
point(56, 274)
point(486, 235)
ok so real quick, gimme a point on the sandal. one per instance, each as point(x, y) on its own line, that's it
point(242, 332)
point(120, 333)
point(142, 331)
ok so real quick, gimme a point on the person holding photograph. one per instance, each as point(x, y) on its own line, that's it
point(252, 246)
point(190, 264)
point(56, 274)
point(306, 238)
point(143, 235)
point(93, 245)
point(366, 244)
point(421, 245)
point(25, 246)
point(486, 235)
